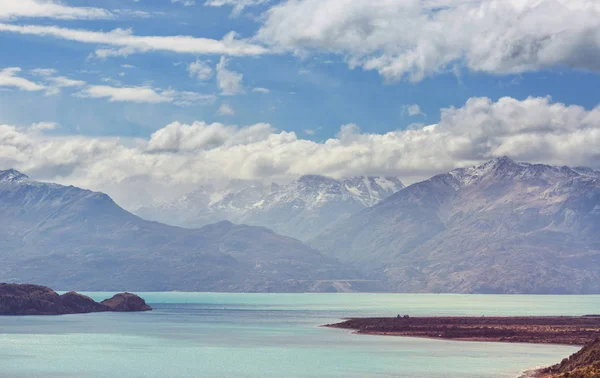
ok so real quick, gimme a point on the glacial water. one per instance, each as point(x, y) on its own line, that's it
point(273, 335)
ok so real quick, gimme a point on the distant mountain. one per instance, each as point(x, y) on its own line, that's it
point(71, 238)
point(501, 227)
point(301, 209)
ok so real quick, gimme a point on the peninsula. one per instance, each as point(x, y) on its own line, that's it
point(26, 299)
point(571, 330)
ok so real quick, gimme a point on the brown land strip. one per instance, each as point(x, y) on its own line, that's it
point(569, 330)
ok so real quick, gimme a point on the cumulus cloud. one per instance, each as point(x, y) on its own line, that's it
point(412, 39)
point(200, 70)
point(124, 42)
point(225, 110)
point(413, 110)
point(9, 78)
point(198, 136)
point(183, 155)
point(13, 9)
point(238, 5)
point(229, 82)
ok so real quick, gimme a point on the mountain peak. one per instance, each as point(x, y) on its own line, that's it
point(12, 175)
point(308, 179)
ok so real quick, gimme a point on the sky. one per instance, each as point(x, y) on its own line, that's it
point(147, 99)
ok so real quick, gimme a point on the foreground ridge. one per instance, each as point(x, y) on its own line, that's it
point(583, 364)
point(27, 299)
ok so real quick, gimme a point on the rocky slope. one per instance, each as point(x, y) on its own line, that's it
point(501, 227)
point(68, 237)
point(26, 299)
point(583, 364)
point(301, 209)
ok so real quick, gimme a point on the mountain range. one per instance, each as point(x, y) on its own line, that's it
point(71, 238)
point(500, 227)
point(301, 209)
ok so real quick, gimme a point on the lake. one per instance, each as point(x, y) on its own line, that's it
point(273, 335)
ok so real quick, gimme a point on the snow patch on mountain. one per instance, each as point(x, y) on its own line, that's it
point(301, 208)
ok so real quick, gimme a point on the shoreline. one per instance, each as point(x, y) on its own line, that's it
point(581, 331)
point(559, 330)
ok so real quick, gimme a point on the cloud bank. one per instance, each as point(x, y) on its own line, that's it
point(184, 155)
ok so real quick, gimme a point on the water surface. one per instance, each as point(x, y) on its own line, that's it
point(273, 335)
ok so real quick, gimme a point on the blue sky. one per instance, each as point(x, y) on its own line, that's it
point(306, 66)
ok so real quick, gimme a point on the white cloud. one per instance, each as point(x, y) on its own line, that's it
point(184, 98)
point(114, 93)
point(126, 43)
point(9, 78)
point(177, 137)
point(261, 90)
point(185, 3)
point(124, 94)
point(13, 9)
point(229, 82)
point(42, 126)
point(145, 94)
point(183, 155)
point(413, 110)
point(412, 39)
point(225, 110)
point(200, 70)
point(128, 66)
point(43, 71)
point(238, 5)
point(310, 132)
point(65, 82)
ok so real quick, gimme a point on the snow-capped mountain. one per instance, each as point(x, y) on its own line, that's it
point(67, 237)
point(301, 208)
point(501, 226)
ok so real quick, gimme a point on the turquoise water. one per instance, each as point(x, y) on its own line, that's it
point(272, 335)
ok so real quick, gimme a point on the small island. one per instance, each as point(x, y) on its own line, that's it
point(27, 299)
point(570, 330)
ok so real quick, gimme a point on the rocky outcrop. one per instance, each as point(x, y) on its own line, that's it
point(126, 302)
point(26, 299)
point(583, 364)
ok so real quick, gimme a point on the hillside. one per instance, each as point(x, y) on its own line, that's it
point(66, 237)
point(583, 364)
point(501, 227)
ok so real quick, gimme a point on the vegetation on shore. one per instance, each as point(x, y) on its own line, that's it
point(583, 364)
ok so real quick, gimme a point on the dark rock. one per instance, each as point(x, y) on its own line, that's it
point(81, 304)
point(126, 302)
point(26, 299)
point(30, 300)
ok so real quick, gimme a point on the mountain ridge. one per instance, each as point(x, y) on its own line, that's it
point(301, 208)
point(501, 226)
point(74, 238)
